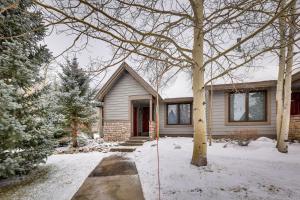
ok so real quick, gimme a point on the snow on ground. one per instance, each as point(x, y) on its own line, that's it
point(66, 173)
point(255, 172)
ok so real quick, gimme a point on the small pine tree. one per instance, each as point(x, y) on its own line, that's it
point(75, 98)
point(11, 130)
point(54, 117)
point(25, 131)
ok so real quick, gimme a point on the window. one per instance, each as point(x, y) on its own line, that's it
point(172, 114)
point(247, 106)
point(237, 107)
point(185, 113)
point(179, 114)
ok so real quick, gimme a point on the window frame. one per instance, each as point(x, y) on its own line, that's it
point(247, 106)
point(178, 114)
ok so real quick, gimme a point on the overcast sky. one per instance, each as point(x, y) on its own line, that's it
point(181, 87)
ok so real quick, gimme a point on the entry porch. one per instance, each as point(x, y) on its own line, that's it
point(142, 111)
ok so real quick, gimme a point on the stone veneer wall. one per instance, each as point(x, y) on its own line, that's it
point(116, 130)
point(152, 129)
point(294, 133)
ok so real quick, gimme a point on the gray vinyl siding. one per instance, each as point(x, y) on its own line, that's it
point(116, 101)
point(164, 130)
point(218, 117)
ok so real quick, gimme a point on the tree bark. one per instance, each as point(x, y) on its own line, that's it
point(199, 157)
point(74, 134)
point(157, 115)
point(281, 70)
point(211, 94)
point(158, 79)
point(282, 146)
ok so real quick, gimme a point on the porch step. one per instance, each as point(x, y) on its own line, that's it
point(123, 149)
point(139, 138)
point(130, 143)
point(136, 141)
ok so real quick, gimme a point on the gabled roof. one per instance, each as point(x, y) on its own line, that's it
point(118, 73)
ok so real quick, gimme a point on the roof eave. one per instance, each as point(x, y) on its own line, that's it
point(240, 86)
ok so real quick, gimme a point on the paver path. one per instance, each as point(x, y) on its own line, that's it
point(115, 178)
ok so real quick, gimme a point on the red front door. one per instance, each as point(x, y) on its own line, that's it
point(295, 103)
point(145, 119)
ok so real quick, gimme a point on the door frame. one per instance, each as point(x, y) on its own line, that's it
point(130, 108)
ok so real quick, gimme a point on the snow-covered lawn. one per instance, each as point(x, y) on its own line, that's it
point(66, 173)
point(254, 172)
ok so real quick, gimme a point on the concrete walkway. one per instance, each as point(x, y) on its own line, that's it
point(115, 178)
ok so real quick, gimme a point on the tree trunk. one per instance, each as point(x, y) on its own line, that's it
point(74, 134)
point(211, 94)
point(280, 80)
point(157, 115)
point(282, 146)
point(158, 80)
point(199, 157)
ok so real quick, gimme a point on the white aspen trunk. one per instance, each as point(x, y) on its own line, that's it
point(280, 79)
point(210, 117)
point(282, 146)
point(199, 157)
point(210, 107)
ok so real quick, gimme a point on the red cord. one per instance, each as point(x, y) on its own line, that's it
point(157, 153)
point(158, 178)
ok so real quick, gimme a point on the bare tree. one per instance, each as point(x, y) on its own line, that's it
point(280, 79)
point(160, 76)
point(175, 33)
point(287, 21)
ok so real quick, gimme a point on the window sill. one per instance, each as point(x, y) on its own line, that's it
point(178, 125)
point(247, 123)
